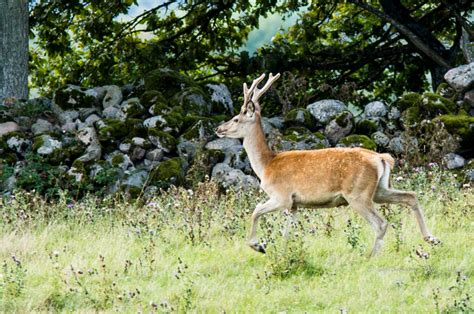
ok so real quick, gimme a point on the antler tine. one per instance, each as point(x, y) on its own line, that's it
point(259, 92)
point(248, 92)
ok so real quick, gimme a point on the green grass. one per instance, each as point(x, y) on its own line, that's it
point(186, 251)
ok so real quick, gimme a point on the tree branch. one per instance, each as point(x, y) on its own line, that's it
point(411, 36)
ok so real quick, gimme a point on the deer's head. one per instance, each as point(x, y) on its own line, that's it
point(242, 124)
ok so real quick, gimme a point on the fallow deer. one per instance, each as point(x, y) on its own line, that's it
point(316, 178)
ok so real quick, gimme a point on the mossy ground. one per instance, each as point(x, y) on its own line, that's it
point(186, 251)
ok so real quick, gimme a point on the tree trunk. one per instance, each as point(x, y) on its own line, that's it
point(14, 49)
point(467, 47)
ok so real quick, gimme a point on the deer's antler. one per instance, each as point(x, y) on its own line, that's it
point(257, 93)
point(248, 92)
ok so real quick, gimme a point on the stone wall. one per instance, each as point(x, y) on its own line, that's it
point(137, 139)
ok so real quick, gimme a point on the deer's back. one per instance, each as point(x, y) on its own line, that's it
point(325, 172)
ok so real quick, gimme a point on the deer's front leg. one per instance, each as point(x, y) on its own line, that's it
point(269, 206)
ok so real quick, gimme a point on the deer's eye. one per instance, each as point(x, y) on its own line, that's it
point(236, 120)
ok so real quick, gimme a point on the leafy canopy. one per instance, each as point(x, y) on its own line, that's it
point(380, 47)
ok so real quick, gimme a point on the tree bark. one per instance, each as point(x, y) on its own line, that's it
point(14, 49)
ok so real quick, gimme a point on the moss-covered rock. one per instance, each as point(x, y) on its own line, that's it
point(339, 127)
point(168, 119)
point(417, 107)
point(356, 140)
point(162, 140)
point(168, 172)
point(193, 100)
point(461, 125)
point(300, 138)
point(446, 91)
point(152, 97)
point(117, 130)
point(366, 127)
point(73, 97)
point(299, 117)
point(168, 81)
point(17, 142)
point(201, 166)
point(132, 108)
point(203, 128)
point(71, 149)
point(436, 104)
point(221, 99)
point(408, 100)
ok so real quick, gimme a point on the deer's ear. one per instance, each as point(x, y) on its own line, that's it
point(250, 109)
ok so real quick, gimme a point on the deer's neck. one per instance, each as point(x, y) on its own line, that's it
point(257, 148)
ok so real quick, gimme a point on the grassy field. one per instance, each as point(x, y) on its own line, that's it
point(185, 251)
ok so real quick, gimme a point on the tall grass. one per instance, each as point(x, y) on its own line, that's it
point(186, 251)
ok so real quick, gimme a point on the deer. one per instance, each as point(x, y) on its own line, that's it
point(321, 178)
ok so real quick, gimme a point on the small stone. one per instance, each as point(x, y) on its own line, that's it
point(380, 139)
point(155, 155)
point(69, 126)
point(461, 78)
point(18, 144)
point(115, 113)
point(340, 127)
point(138, 153)
point(136, 179)
point(327, 109)
point(49, 145)
point(120, 160)
point(113, 96)
point(90, 120)
point(68, 116)
point(8, 127)
point(469, 97)
point(125, 147)
point(139, 141)
point(41, 126)
point(88, 136)
point(224, 144)
point(394, 113)
point(453, 161)
point(375, 109)
point(153, 122)
point(235, 178)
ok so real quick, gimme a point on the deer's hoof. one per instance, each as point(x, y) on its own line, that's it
point(432, 240)
point(258, 247)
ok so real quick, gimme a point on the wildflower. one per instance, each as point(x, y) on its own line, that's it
point(432, 165)
point(399, 178)
point(70, 205)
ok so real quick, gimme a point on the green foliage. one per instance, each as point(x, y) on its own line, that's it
point(433, 142)
point(459, 124)
point(335, 47)
point(40, 176)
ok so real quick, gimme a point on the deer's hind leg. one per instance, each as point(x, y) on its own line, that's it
point(385, 194)
point(393, 196)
